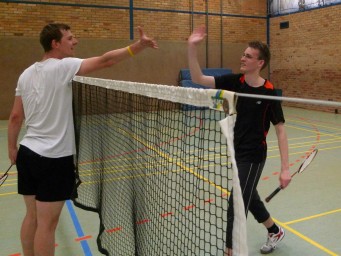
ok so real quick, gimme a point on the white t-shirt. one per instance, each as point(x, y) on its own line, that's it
point(46, 92)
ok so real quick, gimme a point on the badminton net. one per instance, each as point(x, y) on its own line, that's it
point(153, 163)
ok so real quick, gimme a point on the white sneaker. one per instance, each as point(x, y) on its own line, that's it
point(272, 241)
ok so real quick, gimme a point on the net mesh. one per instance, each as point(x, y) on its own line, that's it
point(152, 161)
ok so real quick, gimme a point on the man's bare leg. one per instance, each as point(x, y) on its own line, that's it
point(29, 226)
point(48, 216)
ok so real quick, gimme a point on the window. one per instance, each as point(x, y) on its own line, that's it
point(288, 6)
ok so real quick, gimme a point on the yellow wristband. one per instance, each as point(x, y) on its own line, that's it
point(130, 51)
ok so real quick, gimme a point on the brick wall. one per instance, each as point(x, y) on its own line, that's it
point(168, 20)
point(307, 56)
point(97, 22)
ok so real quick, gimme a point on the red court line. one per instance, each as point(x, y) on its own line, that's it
point(186, 208)
point(82, 238)
point(163, 215)
point(142, 221)
point(210, 200)
point(114, 230)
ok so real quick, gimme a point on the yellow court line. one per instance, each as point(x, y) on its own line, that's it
point(323, 141)
point(319, 142)
point(291, 143)
point(182, 166)
point(302, 152)
point(314, 131)
point(302, 129)
point(307, 239)
point(7, 183)
point(312, 217)
point(165, 156)
point(10, 193)
point(274, 156)
point(319, 124)
point(163, 172)
point(290, 154)
point(205, 179)
point(332, 140)
point(108, 170)
point(329, 148)
point(187, 169)
point(129, 177)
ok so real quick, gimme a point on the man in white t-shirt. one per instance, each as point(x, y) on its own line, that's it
point(44, 160)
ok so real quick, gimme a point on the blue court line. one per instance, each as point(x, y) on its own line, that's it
point(80, 233)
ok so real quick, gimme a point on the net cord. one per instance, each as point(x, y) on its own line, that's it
point(292, 99)
point(191, 96)
point(198, 97)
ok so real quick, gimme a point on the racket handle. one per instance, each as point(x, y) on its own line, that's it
point(273, 194)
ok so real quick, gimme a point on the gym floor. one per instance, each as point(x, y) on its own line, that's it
point(309, 209)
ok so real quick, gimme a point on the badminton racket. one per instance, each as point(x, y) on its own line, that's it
point(302, 167)
point(5, 175)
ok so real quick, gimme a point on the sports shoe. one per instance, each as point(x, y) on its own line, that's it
point(272, 241)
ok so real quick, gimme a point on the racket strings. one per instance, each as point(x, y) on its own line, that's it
point(308, 160)
point(3, 179)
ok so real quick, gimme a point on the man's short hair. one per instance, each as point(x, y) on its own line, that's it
point(264, 52)
point(52, 32)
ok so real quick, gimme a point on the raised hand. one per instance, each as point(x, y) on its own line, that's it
point(197, 35)
point(145, 40)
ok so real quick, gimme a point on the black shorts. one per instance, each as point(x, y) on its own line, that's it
point(49, 179)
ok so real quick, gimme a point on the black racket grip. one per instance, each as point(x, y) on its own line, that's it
point(273, 194)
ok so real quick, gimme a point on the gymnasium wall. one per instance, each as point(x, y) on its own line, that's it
point(306, 57)
point(103, 25)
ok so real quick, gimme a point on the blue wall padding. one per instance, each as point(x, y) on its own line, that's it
point(185, 74)
point(185, 81)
